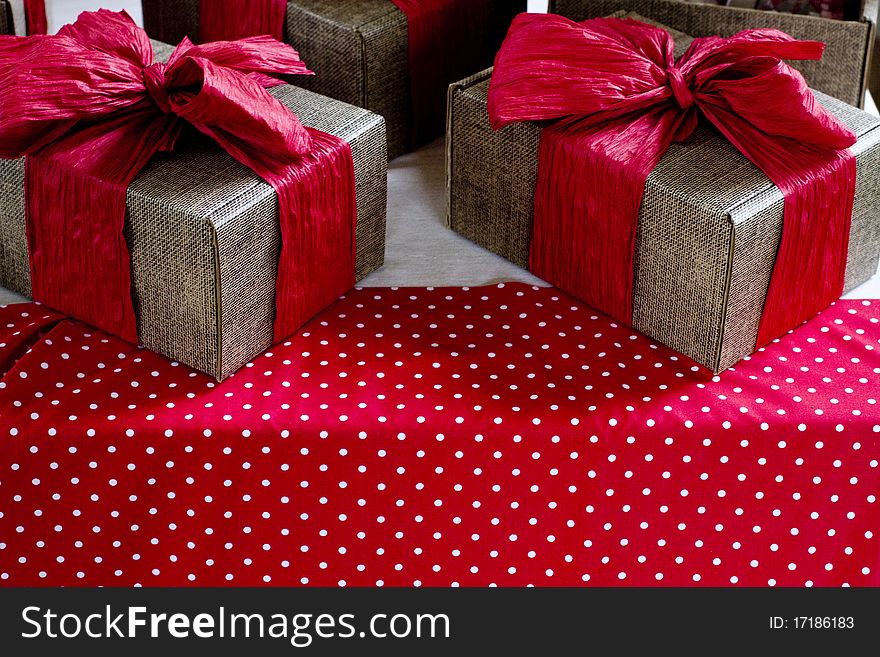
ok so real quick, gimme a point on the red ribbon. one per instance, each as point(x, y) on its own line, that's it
point(447, 41)
point(620, 99)
point(89, 108)
point(228, 20)
point(35, 16)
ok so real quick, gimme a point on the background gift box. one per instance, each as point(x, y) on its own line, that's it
point(202, 231)
point(708, 229)
point(845, 67)
point(359, 52)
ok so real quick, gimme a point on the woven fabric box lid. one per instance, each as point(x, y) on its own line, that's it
point(203, 234)
point(709, 226)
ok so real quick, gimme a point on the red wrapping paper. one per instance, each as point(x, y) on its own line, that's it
point(229, 20)
point(89, 108)
point(619, 100)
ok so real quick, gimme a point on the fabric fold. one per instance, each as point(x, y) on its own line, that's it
point(35, 17)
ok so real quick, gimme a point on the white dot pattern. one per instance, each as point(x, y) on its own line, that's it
point(486, 436)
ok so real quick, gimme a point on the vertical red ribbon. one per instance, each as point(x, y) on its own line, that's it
point(228, 20)
point(447, 41)
point(35, 16)
point(317, 215)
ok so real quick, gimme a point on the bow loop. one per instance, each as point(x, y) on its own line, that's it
point(550, 67)
point(236, 111)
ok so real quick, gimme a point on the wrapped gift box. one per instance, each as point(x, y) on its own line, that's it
point(709, 225)
point(357, 48)
point(203, 235)
point(843, 71)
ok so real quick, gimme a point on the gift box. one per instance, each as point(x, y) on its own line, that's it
point(359, 52)
point(202, 231)
point(708, 228)
point(843, 71)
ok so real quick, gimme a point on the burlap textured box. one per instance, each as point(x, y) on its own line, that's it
point(709, 226)
point(357, 48)
point(845, 66)
point(203, 234)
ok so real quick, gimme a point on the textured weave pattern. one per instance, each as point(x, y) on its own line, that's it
point(709, 224)
point(204, 238)
point(14, 264)
point(358, 50)
point(841, 72)
point(171, 20)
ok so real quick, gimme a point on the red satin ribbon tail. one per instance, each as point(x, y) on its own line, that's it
point(79, 260)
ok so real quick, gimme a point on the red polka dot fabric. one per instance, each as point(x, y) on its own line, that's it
point(503, 436)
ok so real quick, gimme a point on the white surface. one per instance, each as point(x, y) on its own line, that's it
point(420, 249)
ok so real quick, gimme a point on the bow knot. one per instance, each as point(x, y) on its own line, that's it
point(154, 81)
point(680, 90)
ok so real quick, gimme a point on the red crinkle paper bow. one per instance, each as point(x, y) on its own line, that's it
point(621, 99)
point(89, 108)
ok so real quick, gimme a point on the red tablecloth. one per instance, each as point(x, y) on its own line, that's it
point(504, 435)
